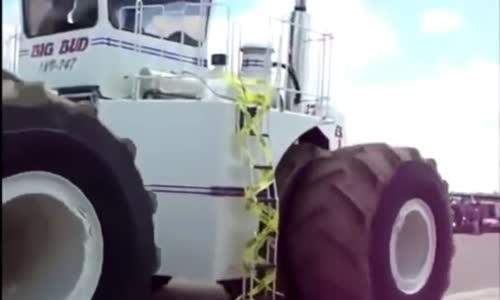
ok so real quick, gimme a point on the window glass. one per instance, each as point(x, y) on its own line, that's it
point(43, 17)
point(169, 19)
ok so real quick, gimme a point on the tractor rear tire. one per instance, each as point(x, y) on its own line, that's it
point(42, 132)
point(337, 219)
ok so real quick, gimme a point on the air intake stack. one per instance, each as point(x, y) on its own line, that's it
point(256, 61)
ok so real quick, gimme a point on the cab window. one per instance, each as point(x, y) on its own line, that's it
point(178, 21)
point(44, 17)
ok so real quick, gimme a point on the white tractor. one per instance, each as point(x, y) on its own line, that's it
point(136, 162)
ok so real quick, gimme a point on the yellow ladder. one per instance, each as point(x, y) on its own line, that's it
point(261, 195)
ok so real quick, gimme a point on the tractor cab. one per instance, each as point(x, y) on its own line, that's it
point(137, 49)
point(95, 46)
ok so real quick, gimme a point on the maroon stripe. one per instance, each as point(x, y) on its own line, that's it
point(197, 190)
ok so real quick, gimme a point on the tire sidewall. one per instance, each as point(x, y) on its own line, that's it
point(411, 180)
point(123, 207)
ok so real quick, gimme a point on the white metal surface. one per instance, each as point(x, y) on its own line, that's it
point(51, 238)
point(256, 61)
point(108, 49)
point(194, 165)
point(118, 53)
point(413, 246)
point(168, 84)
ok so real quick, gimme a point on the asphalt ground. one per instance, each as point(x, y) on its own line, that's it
point(475, 274)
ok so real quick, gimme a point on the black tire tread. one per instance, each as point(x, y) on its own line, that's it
point(28, 106)
point(159, 282)
point(32, 94)
point(331, 175)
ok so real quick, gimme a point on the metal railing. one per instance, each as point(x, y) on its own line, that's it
point(10, 50)
point(315, 92)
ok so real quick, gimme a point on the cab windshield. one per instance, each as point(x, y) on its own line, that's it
point(43, 17)
point(178, 21)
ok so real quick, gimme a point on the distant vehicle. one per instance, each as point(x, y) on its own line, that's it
point(491, 225)
point(475, 213)
point(491, 216)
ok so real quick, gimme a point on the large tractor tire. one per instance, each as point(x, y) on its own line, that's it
point(76, 219)
point(159, 282)
point(293, 160)
point(368, 222)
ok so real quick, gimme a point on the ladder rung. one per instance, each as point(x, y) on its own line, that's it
point(270, 297)
point(267, 200)
point(270, 192)
point(262, 267)
point(263, 167)
point(264, 135)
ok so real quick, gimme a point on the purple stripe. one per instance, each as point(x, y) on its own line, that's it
point(217, 194)
point(108, 39)
point(145, 51)
point(219, 191)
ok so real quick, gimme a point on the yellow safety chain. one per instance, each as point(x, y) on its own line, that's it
point(260, 101)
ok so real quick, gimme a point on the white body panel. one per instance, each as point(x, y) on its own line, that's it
point(119, 55)
point(193, 165)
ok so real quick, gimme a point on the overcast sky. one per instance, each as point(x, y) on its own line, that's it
point(417, 73)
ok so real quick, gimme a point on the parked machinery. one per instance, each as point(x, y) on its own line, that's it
point(475, 212)
point(145, 165)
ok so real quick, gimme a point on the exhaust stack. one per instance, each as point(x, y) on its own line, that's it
point(298, 46)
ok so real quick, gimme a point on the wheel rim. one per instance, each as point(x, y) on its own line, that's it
point(51, 238)
point(413, 246)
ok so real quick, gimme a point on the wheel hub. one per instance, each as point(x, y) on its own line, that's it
point(413, 246)
point(52, 239)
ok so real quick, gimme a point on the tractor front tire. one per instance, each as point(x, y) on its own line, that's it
point(52, 138)
point(159, 282)
point(367, 222)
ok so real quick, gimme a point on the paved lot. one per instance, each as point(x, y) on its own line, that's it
point(477, 263)
point(475, 274)
point(484, 294)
